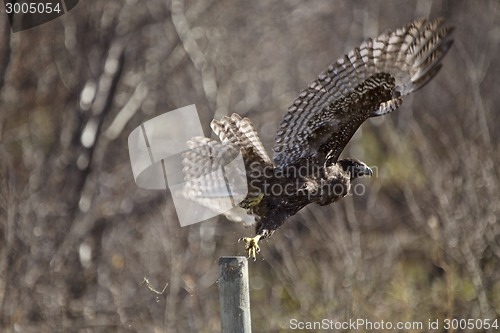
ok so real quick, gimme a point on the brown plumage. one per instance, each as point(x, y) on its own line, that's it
point(369, 81)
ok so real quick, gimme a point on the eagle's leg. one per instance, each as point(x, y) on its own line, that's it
point(250, 202)
point(251, 246)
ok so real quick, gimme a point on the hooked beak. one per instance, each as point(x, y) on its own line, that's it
point(363, 170)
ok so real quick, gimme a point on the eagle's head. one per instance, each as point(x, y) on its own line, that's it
point(354, 168)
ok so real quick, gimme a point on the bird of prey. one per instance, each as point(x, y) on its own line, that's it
point(369, 81)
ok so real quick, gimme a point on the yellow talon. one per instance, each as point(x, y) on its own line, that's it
point(251, 246)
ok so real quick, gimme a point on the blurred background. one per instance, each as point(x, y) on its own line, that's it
point(77, 236)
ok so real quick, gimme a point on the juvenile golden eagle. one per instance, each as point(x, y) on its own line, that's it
point(367, 82)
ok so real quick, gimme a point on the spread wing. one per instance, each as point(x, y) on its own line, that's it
point(209, 169)
point(369, 81)
point(239, 131)
point(211, 182)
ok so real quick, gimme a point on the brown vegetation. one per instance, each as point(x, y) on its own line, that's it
point(77, 236)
